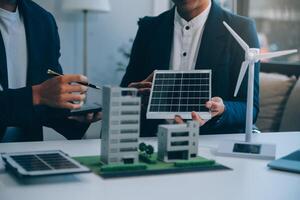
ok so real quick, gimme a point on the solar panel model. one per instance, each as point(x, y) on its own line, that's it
point(41, 163)
point(179, 93)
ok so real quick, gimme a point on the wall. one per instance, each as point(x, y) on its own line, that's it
point(107, 32)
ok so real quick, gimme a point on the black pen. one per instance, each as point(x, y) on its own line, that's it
point(50, 72)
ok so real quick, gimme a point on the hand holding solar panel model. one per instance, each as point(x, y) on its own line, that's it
point(252, 56)
point(177, 94)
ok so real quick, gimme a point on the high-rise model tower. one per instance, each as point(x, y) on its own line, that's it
point(120, 125)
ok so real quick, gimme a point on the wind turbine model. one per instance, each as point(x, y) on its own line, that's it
point(248, 148)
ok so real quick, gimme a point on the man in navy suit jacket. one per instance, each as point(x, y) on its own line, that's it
point(218, 51)
point(25, 109)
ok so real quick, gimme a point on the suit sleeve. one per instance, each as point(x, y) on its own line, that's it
point(56, 118)
point(16, 107)
point(235, 108)
point(137, 56)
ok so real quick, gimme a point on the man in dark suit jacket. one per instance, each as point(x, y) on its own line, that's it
point(26, 109)
point(218, 51)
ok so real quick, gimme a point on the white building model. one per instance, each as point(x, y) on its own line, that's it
point(120, 125)
point(178, 141)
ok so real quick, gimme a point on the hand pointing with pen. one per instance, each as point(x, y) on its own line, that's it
point(61, 92)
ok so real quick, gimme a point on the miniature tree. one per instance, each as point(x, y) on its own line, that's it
point(146, 152)
point(149, 150)
point(142, 147)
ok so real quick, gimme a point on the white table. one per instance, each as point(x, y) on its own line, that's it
point(249, 179)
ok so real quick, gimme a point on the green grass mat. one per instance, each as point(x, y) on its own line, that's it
point(119, 168)
point(114, 171)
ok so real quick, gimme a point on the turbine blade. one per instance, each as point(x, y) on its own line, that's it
point(243, 44)
point(244, 67)
point(275, 54)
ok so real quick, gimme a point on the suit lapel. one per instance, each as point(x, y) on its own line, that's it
point(33, 72)
point(165, 40)
point(212, 43)
point(3, 65)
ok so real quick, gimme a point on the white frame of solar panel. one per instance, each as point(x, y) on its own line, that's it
point(172, 114)
point(23, 172)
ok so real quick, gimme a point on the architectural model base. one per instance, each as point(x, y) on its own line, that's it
point(142, 168)
point(247, 150)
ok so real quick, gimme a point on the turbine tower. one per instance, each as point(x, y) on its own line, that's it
point(252, 56)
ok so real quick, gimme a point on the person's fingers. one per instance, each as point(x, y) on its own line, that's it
point(208, 104)
point(217, 99)
point(98, 116)
point(133, 85)
point(140, 85)
point(178, 120)
point(72, 97)
point(89, 117)
point(216, 106)
point(77, 118)
point(149, 78)
point(214, 110)
point(144, 91)
point(66, 88)
point(73, 78)
point(214, 103)
point(197, 118)
point(70, 106)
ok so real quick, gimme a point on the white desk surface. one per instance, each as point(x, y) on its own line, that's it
point(249, 179)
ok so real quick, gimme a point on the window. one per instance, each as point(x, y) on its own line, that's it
point(178, 155)
point(180, 134)
point(128, 149)
point(130, 112)
point(128, 160)
point(114, 150)
point(130, 103)
point(129, 121)
point(114, 141)
point(193, 155)
point(278, 25)
point(113, 159)
point(130, 140)
point(227, 4)
point(128, 131)
point(180, 143)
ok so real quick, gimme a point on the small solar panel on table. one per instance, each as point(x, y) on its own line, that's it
point(40, 162)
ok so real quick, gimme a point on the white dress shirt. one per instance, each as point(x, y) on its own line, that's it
point(14, 37)
point(187, 40)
